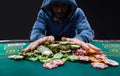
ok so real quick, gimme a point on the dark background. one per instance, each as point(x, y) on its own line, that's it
point(18, 16)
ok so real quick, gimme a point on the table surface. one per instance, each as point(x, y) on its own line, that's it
point(10, 67)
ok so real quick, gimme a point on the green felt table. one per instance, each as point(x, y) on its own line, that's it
point(10, 67)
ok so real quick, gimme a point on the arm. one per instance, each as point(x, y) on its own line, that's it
point(38, 30)
point(84, 31)
point(86, 46)
point(38, 42)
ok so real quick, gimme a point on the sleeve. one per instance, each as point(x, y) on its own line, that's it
point(38, 30)
point(84, 31)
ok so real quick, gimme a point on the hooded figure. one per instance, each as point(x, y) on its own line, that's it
point(61, 18)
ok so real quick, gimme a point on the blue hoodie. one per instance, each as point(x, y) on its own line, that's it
point(74, 26)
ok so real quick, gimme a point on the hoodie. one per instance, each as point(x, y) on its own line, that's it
point(75, 25)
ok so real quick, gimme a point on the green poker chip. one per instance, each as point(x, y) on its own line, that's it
point(64, 47)
point(58, 56)
point(54, 48)
point(73, 57)
point(28, 54)
point(33, 59)
point(54, 45)
point(74, 47)
point(45, 60)
point(64, 42)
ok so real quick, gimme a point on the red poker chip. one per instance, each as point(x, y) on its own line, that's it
point(111, 62)
point(49, 65)
point(81, 52)
point(101, 56)
point(84, 58)
point(99, 65)
point(58, 61)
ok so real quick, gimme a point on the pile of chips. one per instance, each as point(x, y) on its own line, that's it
point(54, 54)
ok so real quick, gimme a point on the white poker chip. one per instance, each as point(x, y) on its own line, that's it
point(84, 58)
point(15, 57)
point(111, 62)
point(99, 65)
point(58, 61)
point(49, 65)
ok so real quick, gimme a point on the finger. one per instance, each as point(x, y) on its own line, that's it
point(34, 45)
point(50, 39)
point(83, 45)
point(69, 39)
point(38, 42)
point(42, 40)
point(28, 48)
point(64, 39)
point(94, 48)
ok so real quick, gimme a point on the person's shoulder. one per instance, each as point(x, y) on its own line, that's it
point(42, 13)
point(79, 10)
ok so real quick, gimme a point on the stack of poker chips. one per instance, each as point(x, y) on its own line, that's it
point(98, 60)
point(54, 54)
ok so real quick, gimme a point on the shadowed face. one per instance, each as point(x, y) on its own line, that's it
point(60, 10)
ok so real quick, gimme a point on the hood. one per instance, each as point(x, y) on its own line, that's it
point(46, 5)
point(48, 2)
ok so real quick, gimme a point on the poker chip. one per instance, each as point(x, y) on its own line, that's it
point(58, 56)
point(15, 57)
point(102, 56)
point(49, 65)
point(93, 59)
point(64, 42)
point(74, 47)
point(111, 62)
point(91, 51)
point(65, 51)
point(33, 59)
point(53, 54)
point(53, 45)
point(73, 57)
point(45, 60)
point(29, 54)
point(44, 50)
point(81, 52)
point(99, 65)
point(58, 61)
point(64, 47)
point(84, 58)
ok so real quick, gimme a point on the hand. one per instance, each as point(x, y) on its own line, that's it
point(36, 43)
point(86, 46)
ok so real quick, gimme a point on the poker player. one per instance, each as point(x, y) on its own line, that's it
point(61, 20)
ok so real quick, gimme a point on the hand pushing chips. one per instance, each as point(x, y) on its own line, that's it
point(56, 53)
